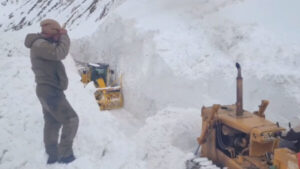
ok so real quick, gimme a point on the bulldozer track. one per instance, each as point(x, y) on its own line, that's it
point(200, 163)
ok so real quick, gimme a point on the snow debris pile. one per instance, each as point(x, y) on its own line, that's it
point(175, 57)
point(160, 139)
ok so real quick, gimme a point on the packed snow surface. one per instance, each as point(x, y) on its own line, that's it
point(175, 57)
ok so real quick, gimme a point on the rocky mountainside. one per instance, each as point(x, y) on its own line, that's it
point(20, 14)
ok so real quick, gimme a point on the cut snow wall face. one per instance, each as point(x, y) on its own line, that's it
point(148, 82)
point(130, 53)
point(158, 72)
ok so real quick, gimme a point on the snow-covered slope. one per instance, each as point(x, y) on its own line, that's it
point(176, 56)
point(18, 15)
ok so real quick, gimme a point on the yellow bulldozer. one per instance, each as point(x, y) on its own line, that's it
point(109, 88)
point(234, 138)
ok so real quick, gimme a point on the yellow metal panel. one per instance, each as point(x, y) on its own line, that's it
point(85, 78)
point(101, 83)
point(259, 149)
point(245, 123)
point(285, 159)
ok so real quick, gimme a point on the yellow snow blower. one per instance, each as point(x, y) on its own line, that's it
point(109, 88)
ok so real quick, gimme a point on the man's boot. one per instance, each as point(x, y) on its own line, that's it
point(67, 160)
point(52, 159)
point(52, 152)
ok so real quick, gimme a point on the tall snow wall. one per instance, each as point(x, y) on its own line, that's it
point(175, 53)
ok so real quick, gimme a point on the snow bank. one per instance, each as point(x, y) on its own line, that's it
point(175, 53)
point(161, 142)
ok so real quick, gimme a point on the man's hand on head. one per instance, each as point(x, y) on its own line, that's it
point(56, 36)
point(63, 31)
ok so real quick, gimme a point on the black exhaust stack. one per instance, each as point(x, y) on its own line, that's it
point(239, 91)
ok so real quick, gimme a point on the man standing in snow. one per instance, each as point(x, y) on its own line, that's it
point(47, 49)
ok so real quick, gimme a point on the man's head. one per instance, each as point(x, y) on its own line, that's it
point(50, 27)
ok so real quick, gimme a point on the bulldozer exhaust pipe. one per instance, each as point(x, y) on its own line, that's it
point(239, 91)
